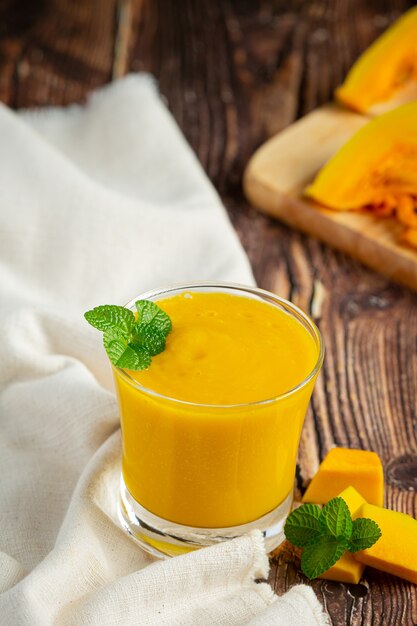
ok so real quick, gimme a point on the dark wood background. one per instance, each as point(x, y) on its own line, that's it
point(234, 72)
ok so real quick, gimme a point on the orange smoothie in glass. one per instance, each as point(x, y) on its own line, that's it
point(211, 429)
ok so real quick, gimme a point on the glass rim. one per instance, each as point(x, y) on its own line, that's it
point(256, 291)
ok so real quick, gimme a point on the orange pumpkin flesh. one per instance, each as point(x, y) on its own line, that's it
point(396, 551)
point(375, 169)
point(385, 75)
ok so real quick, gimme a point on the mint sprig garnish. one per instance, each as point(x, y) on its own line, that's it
point(326, 533)
point(131, 341)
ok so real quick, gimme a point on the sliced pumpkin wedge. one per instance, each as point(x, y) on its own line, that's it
point(385, 75)
point(375, 169)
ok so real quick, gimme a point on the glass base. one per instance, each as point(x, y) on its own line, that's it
point(163, 538)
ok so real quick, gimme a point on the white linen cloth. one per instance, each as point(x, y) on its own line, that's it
point(97, 204)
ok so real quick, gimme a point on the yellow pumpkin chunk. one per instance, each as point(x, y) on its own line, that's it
point(375, 169)
point(347, 569)
point(385, 75)
point(396, 551)
point(342, 468)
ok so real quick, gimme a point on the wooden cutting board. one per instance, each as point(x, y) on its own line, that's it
point(279, 171)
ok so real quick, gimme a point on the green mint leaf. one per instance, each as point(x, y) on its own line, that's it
point(115, 344)
point(365, 533)
point(336, 519)
point(123, 355)
point(113, 334)
point(131, 360)
point(321, 554)
point(303, 525)
point(151, 338)
point(111, 316)
point(151, 314)
point(143, 356)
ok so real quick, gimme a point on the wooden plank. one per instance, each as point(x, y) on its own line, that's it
point(280, 170)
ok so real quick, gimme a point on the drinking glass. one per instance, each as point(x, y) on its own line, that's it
point(194, 474)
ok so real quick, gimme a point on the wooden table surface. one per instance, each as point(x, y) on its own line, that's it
point(234, 72)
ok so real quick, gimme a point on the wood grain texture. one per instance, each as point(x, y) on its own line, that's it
point(235, 72)
point(54, 51)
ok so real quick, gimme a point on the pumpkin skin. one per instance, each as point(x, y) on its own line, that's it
point(385, 75)
point(376, 168)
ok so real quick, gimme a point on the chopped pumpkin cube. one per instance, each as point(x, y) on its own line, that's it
point(347, 569)
point(344, 467)
point(353, 499)
point(396, 551)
